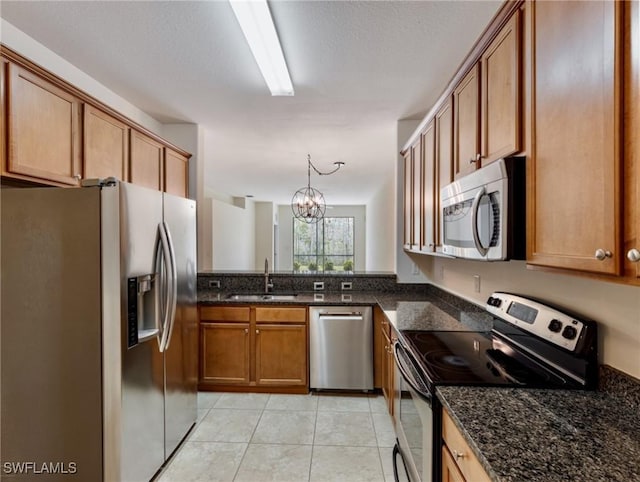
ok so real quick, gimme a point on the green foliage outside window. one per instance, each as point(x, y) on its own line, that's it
point(327, 246)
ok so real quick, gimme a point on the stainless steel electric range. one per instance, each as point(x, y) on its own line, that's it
point(531, 345)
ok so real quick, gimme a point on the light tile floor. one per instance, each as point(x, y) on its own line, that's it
point(260, 437)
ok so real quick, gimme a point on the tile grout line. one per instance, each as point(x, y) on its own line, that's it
point(235, 475)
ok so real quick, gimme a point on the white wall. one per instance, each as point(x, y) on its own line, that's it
point(265, 218)
point(615, 307)
point(285, 227)
point(380, 231)
point(233, 235)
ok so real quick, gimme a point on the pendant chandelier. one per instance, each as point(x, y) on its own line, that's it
point(308, 203)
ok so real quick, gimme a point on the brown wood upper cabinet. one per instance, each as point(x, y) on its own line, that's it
point(106, 145)
point(43, 136)
point(573, 177)
point(408, 200)
point(487, 104)
point(176, 173)
point(444, 159)
point(146, 161)
point(429, 188)
point(631, 250)
point(417, 209)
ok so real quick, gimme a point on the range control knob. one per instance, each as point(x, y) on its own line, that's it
point(555, 326)
point(569, 332)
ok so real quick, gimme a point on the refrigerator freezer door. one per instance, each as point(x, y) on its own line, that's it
point(142, 449)
point(181, 355)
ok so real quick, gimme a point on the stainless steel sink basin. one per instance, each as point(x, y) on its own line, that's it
point(262, 297)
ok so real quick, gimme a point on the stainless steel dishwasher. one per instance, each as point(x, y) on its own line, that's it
point(341, 347)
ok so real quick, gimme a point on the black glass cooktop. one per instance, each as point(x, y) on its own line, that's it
point(471, 358)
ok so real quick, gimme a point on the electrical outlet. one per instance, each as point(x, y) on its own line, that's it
point(318, 285)
point(441, 272)
point(476, 283)
point(414, 269)
point(345, 285)
point(214, 283)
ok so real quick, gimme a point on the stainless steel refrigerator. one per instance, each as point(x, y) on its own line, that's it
point(98, 331)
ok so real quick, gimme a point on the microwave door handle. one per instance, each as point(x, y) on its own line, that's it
point(474, 221)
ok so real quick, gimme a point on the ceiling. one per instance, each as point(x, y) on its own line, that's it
point(357, 68)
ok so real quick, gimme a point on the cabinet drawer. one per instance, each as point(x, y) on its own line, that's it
point(280, 314)
point(465, 459)
point(224, 313)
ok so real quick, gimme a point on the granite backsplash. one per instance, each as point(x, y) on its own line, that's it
point(253, 282)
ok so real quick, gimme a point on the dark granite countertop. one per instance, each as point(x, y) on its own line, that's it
point(430, 310)
point(300, 299)
point(549, 435)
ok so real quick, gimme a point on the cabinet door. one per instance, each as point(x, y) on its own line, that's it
point(388, 368)
point(224, 353)
point(632, 142)
point(467, 123)
point(43, 129)
point(429, 189)
point(501, 93)
point(146, 161)
point(417, 161)
point(574, 167)
point(408, 201)
point(450, 471)
point(281, 354)
point(106, 145)
point(176, 173)
point(444, 159)
point(3, 105)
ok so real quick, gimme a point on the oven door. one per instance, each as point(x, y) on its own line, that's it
point(474, 222)
point(414, 420)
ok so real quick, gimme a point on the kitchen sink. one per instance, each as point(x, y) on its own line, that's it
point(262, 297)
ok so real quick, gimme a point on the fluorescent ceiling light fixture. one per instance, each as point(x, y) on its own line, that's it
point(256, 23)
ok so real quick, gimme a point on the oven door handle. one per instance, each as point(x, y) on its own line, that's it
point(474, 221)
point(406, 374)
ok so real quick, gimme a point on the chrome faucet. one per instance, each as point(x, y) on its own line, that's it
point(268, 283)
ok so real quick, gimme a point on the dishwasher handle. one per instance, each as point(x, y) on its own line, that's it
point(351, 315)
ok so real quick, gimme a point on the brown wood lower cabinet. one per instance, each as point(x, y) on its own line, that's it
point(459, 463)
point(384, 364)
point(281, 354)
point(225, 353)
point(253, 348)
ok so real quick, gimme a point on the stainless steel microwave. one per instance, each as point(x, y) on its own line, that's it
point(483, 213)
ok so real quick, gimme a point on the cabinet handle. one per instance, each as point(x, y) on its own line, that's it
point(458, 455)
point(601, 254)
point(633, 255)
point(77, 176)
point(476, 159)
point(246, 331)
point(257, 332)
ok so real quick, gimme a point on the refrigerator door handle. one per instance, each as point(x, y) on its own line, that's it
point(164, 269)
point(170, 284)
